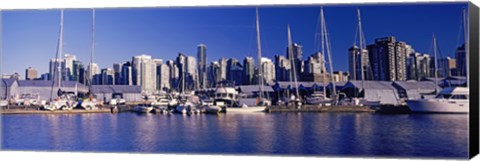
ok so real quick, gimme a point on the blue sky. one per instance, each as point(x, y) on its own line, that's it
point(30, 36)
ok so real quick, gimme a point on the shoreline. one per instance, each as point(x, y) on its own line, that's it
point(269, 109)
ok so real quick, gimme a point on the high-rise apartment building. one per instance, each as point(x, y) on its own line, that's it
point(248, 70)
point(202, 65)
point(144, 73)
point(388, 59)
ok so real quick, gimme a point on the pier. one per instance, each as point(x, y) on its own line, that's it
point(317, 108)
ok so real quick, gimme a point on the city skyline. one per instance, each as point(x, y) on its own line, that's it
point(232, 38)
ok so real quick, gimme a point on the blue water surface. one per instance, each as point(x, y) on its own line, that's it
point(306, 134)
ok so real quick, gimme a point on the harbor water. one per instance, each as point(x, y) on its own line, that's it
point(307, 134)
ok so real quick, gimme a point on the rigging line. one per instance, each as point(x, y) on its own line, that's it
point(315, 39)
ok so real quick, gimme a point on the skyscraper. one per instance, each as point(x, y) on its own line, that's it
point(446, 67)
point(144, 72)
point(461, 57)
point(387, 57)
point(173, 74)
point(297, 54)
point(191, 73)
point(282, 68)
point(126, 75)
point(93, 67)
point(418, 66)
point(213, 76)
point(31, 73)
point(108, 76)
point(202, 65)
point(268, 71)
point(315, 68)
point(358, 62)
point(163, 71)
point(248, 70)
point(77, 69)
point(68, 69)
point(55, 69)
point(158, 66)
point(117, 68)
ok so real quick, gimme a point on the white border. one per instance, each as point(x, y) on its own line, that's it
point(49, 4)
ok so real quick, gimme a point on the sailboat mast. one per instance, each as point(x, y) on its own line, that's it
point(60, 51)
point(92, 52)
point(324, 30)
point(259, 52)
point(361, 45)
point(293, 62)
point(324, 68)
point(435, 63)
point(466, 45)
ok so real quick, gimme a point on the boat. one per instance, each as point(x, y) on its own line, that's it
point(3, 103)
point(143, 108)
point(66, 101)
point(246, 109)
point(318, 99)
point(210, 109)
point(117, 99)
point(226, 96)
point(164, 100)
point(28, 99)
point(448, 100)
point(91, 103)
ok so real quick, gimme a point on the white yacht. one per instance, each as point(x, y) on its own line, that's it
point(226, 96)
point(449, 100)
point(317, 98)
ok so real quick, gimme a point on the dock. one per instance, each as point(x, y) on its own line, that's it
point(36, 110)
point(384, 109)
point(317, 108)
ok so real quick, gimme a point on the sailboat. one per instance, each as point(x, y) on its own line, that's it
point(187, 103)
point(448, 100)
point(318, 98)
point(91, 103)
point(295, 100)
point(65, 100)
point(261, 101)
point(361, 40)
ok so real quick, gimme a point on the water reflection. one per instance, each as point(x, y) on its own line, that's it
point(275, 133)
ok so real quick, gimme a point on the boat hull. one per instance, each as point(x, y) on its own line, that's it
point(439, 106)
point(142, 109)
point(246, 109)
